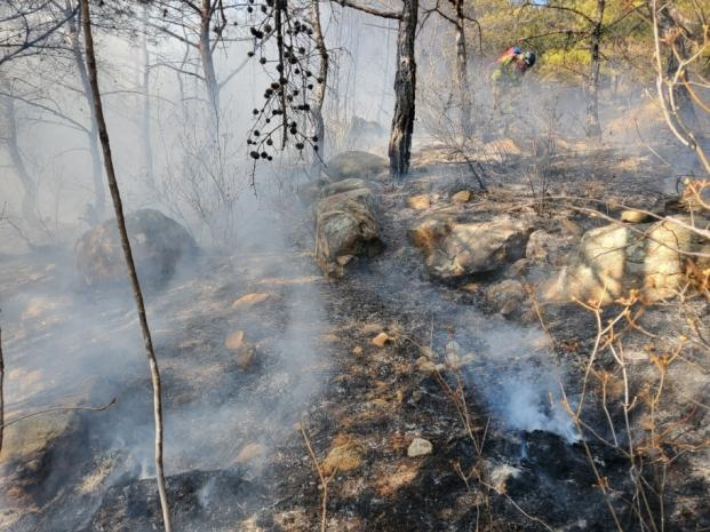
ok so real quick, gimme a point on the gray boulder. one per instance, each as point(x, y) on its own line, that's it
point(357, 164)
point(158, 244)
point(346, 227)
point(648, 257)
point(457, 250)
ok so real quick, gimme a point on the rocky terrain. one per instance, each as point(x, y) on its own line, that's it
point(414, 356)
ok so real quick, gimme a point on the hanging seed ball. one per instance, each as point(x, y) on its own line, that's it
point(320, 81)
point(296, 92)
point(310, 86)
point(262, 60)
point(254, 155)
point(249, 142)
point(267, 28)
point(250, 54)
point(314, 138)
point(297, 71)
point(255, 112)
point(268, 120)
point(269, 142)
point(283, 81)
point(302, 50)
point(299, 145)
point(269, 158)
point(315, 148)
point(308, 73)
point(264, 155)
point(256, 133)
point(279, 68)
point(289, 98)
point(263, 9)
point(249, 9)
point(293, 131)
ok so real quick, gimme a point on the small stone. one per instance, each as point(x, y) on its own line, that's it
point(357, 351)
point(234, 341)
point(246, 357)
point(632, 216)
point(463, 196)
point(251, 300)
point(471, 287)
point(253, 452)
point(419, 447)
point(424, 365)
point(342, 260)
point(381, 339)
point(329, 338)
point(420, 202)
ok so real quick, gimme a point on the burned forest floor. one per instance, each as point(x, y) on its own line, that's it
point(386, 399)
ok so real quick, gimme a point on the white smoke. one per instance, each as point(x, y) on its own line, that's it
point(521, 380)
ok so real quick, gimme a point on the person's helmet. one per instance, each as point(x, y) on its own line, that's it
point(529, 58)
point(516, 50)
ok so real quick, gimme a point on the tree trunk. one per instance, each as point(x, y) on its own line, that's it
point(593, 126)
point(99, 206)
point(464, 87)
point(2, 394)
point(125, 243)
point(29, 200)
point(405, 84)
point(147, 142)
point(207, 60)
point(319, 96)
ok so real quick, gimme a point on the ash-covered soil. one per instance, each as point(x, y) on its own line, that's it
point(250, 383)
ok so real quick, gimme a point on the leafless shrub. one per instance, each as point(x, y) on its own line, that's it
point(630, 379)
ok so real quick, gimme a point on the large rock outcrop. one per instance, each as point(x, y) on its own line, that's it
point(346, 226)
point(456, 250)
point(158, 244)
point(357, 164)
point(649, 257)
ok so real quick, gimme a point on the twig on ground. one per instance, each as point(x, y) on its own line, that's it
point(324, 481)
point(58, 409)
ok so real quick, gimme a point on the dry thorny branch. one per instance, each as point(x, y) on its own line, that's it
point(643, 424)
